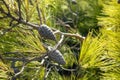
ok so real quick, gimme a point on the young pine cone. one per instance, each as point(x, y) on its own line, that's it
point(46, 32)
point(57, 57)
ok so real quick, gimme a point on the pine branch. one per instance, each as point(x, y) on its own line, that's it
point(59, 42)
point(47, 71)
point(18, 20)
point(16, 59)
point(22, 69)
point(81, 38)
point(37, 26)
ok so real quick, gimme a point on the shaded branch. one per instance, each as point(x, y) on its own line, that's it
point(19, 8)
point(39, 14)
point(62, 23)
point(25, 59)
point(17, 53)
point(44, 20)
point(58, 67)
point(16, 59)
point(47, 71)
point(39, 58)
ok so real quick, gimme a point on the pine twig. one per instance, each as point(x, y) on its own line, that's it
point(81, 38)
point(22, 69)
point(47, 71)
point(19, 21)
point(59, 42)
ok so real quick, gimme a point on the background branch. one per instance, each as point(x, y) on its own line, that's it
point(39, 14)
point(44, 20)
point(19, 8)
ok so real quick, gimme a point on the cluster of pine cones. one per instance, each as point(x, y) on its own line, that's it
point(55, 55)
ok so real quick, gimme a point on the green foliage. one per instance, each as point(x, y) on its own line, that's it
point(111, 26)
point(111, 18)
point(99, 55)
point(21, 40)
point(4, 71)
point(81, 16)
point(92, 49)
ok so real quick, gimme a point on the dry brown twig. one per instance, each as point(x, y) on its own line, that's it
point(70, 35)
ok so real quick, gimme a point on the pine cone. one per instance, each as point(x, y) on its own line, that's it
point(56, 56)
point(46, 32)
